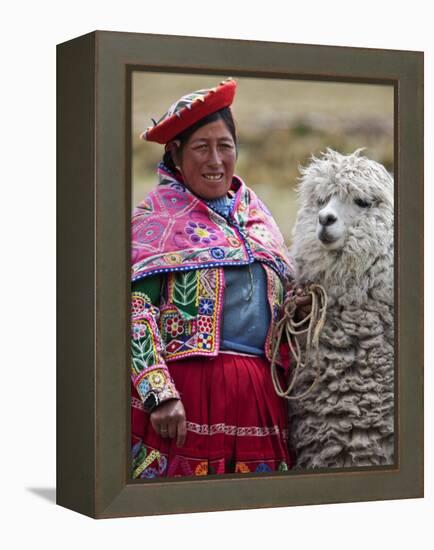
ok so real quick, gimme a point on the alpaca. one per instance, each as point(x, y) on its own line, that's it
point(343, 240)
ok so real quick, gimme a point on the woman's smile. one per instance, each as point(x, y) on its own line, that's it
point(213, 177)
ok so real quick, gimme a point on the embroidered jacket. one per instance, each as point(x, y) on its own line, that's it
point(179, 237)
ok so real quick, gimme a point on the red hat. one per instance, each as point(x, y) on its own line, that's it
point(189, 109)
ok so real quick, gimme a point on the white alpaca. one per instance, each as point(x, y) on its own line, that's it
point(343, 240)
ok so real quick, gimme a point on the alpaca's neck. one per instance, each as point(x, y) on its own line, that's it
point(347, 275)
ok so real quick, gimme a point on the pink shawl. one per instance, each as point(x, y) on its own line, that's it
point(174, 230)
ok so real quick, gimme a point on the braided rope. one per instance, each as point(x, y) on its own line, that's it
point(315, 322)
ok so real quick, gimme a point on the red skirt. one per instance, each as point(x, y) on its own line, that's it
point(235, 421)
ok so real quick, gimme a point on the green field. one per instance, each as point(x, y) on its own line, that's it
point(280, 124)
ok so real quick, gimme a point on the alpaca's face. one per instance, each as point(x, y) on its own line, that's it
point(335, 216)
point(345, 219)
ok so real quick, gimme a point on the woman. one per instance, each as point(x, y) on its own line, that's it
point(209, 270)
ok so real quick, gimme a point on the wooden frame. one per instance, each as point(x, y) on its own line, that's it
point(94, 85)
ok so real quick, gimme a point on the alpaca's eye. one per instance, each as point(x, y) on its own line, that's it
point(362, 203)
point(321, 202)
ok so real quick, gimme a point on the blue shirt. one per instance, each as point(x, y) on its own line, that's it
point(246, 312)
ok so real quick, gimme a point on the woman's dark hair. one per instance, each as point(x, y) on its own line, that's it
point(224, 114)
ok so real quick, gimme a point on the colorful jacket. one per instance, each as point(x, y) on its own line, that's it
point(180, 247)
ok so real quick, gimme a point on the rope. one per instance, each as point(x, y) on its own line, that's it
point(293, 329)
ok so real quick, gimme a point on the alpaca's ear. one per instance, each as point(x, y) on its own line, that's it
point(304, 170)
point(359, 150)
point(330, 154)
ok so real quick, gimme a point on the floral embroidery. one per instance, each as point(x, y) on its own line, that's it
point(201, 469)
point(175, 325)
point(242, 468)
point(137, 304)
point(150, 231)
point(199, 232)
point(283, 467)
point(233, 241)
point(173, 258)
point(217, 253)
point(156, 379)
point(174, 201)
point(140, 304)
point(143, 344)
point(138, 330)
point(204, 323)
point(204, 341)
point(206, 306)
point(263, 467)
point(143, 387)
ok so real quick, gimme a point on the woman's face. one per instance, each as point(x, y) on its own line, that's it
point(207, 160)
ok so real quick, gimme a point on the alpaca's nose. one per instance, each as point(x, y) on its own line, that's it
point(327, 219)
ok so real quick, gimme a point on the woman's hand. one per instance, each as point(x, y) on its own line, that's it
point(303, 303)
point(168, 420)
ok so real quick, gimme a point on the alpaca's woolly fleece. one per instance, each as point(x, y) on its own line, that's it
point(348, 420)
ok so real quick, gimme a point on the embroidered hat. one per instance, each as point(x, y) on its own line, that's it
point(189, 109)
